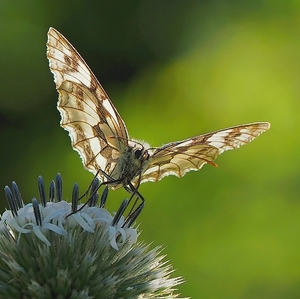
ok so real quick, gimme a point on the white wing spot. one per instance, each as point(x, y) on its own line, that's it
point(108, 107)
point(186, 143)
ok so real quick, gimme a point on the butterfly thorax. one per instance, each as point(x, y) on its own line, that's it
point(130, 163)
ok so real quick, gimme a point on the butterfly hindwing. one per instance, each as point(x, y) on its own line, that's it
point(177, 158)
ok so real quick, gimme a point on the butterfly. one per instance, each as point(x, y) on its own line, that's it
point(98, 132)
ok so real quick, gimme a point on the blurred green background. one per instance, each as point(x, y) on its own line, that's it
point(175, 69)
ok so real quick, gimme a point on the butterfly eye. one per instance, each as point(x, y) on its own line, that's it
point(138, 153)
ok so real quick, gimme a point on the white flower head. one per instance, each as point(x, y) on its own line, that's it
point(56, 249)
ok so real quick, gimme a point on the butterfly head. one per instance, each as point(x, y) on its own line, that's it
point(141, 151)
point(141, 155)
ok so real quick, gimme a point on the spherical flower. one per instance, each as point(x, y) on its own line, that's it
point(56, 249)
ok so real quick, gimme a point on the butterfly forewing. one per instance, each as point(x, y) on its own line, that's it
point(95, 127)
point(100, 136)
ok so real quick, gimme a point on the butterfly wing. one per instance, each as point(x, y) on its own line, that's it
point(96, 129)
point(177, 158)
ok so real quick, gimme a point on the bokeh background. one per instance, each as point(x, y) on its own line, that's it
point(175, 69)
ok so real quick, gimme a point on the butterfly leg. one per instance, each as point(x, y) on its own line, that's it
point(133, 190)
point(93, 189)
point(93, 197)
point(110, 180)
point(134, 213)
